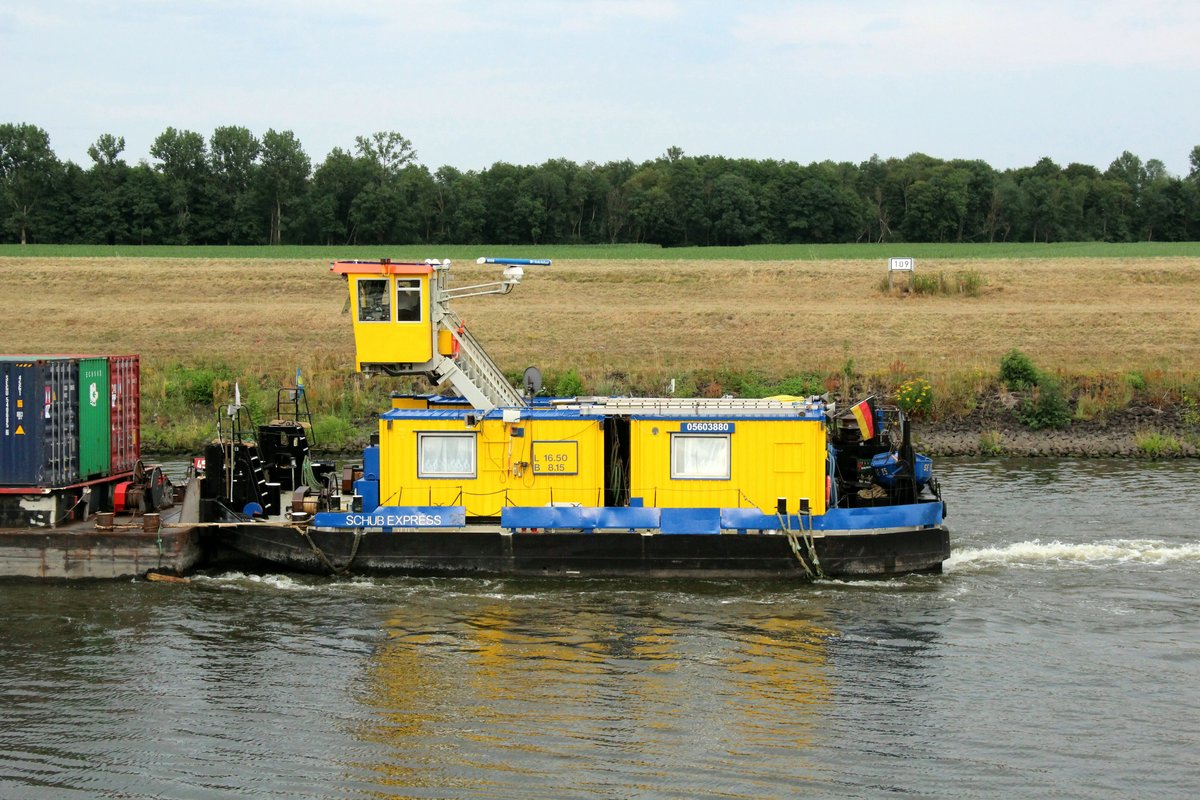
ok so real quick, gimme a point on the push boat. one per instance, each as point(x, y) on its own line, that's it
point(491, 479)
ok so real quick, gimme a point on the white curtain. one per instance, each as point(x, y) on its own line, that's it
point(447, 455)
point(700, 456)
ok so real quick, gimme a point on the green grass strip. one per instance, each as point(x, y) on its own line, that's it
point(622, 252)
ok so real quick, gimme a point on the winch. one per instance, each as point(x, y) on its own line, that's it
point(149, 490)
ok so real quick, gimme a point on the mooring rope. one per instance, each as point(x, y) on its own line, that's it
point(813, 571)
point(812, 546)
point(320, 554)
point(66, 514)
point(791, 537)
point(358, 535)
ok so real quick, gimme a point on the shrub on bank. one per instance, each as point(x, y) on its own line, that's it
point(803, 385)
point(1045, 407)
point(1017, 371)
point(566, 384)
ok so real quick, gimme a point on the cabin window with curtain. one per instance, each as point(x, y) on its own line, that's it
point(700, 457)
point(408, 300)
point(446, 455)
point(374, 304)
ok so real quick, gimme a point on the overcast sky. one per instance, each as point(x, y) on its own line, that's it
point(472, 83)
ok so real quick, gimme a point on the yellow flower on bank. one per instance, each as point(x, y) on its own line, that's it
point(915, 397)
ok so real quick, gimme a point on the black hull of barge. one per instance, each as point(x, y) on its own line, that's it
point(490, 552)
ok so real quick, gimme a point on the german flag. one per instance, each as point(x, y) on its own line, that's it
point(864, 413)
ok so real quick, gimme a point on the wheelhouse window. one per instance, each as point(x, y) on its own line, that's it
point(374, 304)
point(446, 455)
point(408, 300)
point(700, 457)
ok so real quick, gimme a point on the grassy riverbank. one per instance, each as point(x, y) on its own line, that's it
point(1115, 327)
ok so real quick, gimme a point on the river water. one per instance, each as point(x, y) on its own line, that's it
point(1059, 655)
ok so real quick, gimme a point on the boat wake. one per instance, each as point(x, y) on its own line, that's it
point(1037, 553)
point(286, 583)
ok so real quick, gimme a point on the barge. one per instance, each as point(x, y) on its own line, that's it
point(493, 479)
point(76, 500)
point(103, 546)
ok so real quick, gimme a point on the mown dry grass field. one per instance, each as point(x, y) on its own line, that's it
point(643, 318)
point(623, 326)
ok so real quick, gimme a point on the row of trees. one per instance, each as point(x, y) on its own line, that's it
point(238, 188)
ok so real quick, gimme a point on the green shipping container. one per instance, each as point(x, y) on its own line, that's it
point(95, 455)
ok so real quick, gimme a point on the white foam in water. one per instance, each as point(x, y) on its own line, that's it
point(1037, 553)
point(286, 583)
point(238, 580)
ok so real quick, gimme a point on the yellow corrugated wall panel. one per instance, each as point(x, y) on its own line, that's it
point(496, 484)
point(768, 459)
point(408, 402)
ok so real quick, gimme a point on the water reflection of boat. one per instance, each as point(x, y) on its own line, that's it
point(486, 692)
point(495, 480)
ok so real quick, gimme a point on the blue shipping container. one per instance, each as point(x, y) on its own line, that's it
point(39, 429)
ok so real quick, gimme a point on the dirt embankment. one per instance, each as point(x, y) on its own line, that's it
point(1123, 434)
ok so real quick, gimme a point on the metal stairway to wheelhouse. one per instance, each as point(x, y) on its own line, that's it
point(473, 372)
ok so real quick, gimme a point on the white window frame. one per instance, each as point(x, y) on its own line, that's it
point(434, 474)
point(413, 286)
point(679, 474)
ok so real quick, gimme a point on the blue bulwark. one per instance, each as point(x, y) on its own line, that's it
point(837, 519)
point(395, 517)
point(661, 520)
point(691, 520)
point(909, 516)
point(706, 427)
point(751, 519)
point(581, 518)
